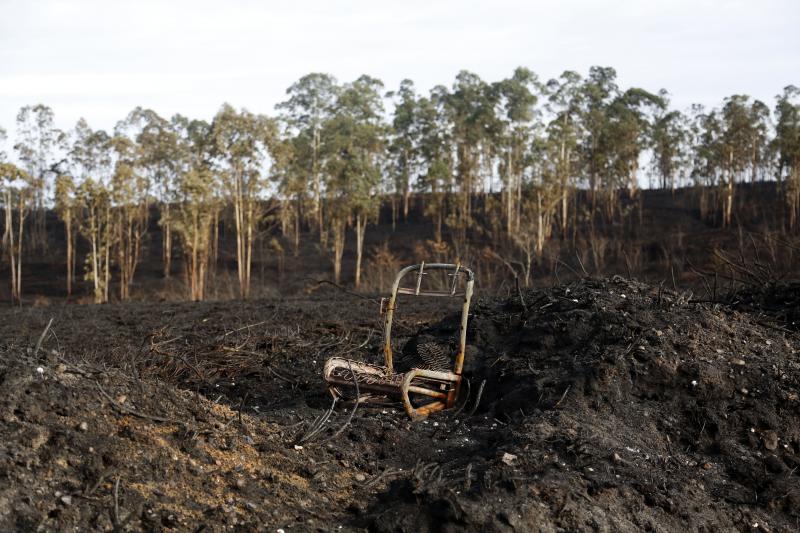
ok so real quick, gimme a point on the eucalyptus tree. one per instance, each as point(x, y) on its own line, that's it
point(404, 144)
point(18, 189)
point(475, 127)
point(91, 157)
point(598, 91)
point(130, 191)
point(242, 142)
point(705, 131)
point(96, 227)
point(517, 119)
point(310, 104)
point(786, 146)
point(196, 199)
point(564, 136)
point(3, 156)
point(155, 160)
point(760, 160)
point(66, 206)
point(356, 139)
point(436, 154)
point(669, 137)
point(292, 184)
point(625, 136)
point(37, 146)
point(738, 134)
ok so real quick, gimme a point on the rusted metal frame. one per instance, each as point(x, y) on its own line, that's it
point(455, 280)
point(373, 377)
point(462, 338)
point(385, 380)
point(412, 292)
point(406, 388)
point(387, 324)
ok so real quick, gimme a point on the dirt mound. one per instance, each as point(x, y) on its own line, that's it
point(94, 449)
point(607, 405)
point(615, 406)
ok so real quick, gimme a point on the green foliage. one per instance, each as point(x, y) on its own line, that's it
point(355, 137)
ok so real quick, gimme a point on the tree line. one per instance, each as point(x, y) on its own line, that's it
point(514, 154)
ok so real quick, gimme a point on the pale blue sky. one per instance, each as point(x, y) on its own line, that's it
point(99, 59)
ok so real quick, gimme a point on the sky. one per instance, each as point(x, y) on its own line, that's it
point(100, 59)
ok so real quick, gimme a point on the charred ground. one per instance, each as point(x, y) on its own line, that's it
point(608, 405)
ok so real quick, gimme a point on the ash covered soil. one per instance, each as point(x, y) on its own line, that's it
point(608, 405)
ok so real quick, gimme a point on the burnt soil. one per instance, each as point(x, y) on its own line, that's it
point(607, 405)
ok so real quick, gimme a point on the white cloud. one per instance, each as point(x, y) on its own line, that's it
point(99, 59)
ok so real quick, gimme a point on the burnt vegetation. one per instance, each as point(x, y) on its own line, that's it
point(631, 353)
point(520, 178)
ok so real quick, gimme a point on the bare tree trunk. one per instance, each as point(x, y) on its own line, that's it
point(249, 248)
point(106, 273)
point(393, 201)
point(239, 218)
point(8, 239)
point(439, 216)
point(70, 251)
point(20, 240)
point(216, 239)
point(361, 228)
point(338, 249)
point(297, 215)
point(167, 241)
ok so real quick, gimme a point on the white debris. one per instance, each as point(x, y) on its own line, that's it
point(509, 458)
point(40, 370)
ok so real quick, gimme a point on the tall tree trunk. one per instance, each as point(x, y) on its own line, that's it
point(20, 240)
point(339, 232)
point(361, 228)
point(238, 211)
point(167, 240)
point(70, 251)
point(8, 239)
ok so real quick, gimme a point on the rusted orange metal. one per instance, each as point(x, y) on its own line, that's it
point(441, 386)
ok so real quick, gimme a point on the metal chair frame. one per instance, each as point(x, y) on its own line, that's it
point(441, 386)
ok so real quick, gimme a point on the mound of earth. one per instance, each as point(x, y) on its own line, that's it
point(618, 407)
point(606, 405)
point(84, 448)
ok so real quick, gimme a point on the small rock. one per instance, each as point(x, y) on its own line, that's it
point(121, 398)
point(706, 466)
point(509, 458)
point(298, 447)
point(737, 362)
point(743, 390)
point(66, 500)
point(240, 483)
point(40, 370)
point(770, 440)
point(83, 426)
point(616, 458)
point(361, 477)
